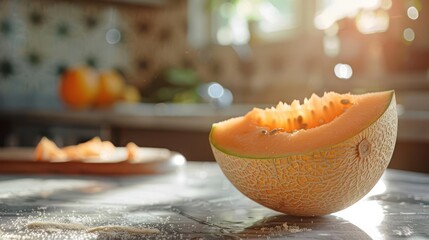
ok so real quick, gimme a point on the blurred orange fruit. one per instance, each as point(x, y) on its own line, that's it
point(110, 88)
point(78, 87)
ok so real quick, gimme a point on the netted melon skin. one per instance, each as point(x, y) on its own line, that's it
point(318, 182)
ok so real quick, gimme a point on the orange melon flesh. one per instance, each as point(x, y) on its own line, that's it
point(284, 130)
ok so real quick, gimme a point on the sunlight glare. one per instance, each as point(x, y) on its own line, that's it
point(367, 215)
point(372, 22)
point(339, 9)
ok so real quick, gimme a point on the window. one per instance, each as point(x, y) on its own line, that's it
point(238, 22)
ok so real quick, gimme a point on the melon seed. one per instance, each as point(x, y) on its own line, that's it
point(275, 130)
point(325, 108)
point(300, 119)
point(345, 101)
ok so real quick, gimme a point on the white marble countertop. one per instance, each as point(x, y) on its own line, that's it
point(198, 202)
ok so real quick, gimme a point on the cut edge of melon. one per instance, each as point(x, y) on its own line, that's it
point(390, 101)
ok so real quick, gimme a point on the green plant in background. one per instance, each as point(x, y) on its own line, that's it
point(175, 85)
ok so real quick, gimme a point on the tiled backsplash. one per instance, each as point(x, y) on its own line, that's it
point(39, 39)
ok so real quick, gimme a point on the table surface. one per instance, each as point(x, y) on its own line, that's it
point(198, 202)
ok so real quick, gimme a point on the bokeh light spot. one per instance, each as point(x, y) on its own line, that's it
point(113, 36)
point(215, 90)
point(409, 34)
point(343, 71)
point(412, 13)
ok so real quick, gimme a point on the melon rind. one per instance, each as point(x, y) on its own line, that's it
point(318, 182)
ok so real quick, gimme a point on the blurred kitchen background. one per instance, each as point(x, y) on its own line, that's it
point(195, 62)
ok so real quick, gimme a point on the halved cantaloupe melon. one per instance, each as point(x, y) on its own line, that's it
point(311, 159)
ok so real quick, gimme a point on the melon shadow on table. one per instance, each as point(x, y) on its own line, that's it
point(286, 225)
